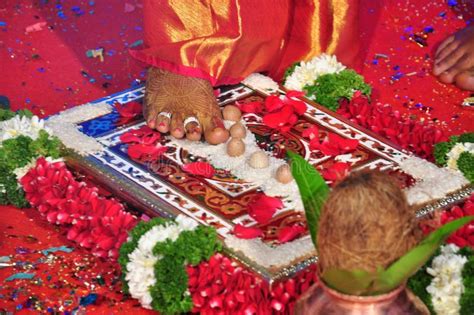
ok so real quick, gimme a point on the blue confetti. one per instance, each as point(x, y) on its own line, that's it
point(56, 249)
point(3, 23)
point(88, 299)
point(428, 29)
point(20, 275)
point(452, 3)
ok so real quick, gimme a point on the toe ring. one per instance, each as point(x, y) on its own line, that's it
point(190, 120)
point(166, 114)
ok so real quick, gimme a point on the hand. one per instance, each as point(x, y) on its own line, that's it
point(455, 55)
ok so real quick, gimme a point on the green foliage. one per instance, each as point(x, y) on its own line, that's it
point(18, 152)
point(466, 165)
point(441, 149)
point(10, 192)
point(169, 293)
point(128, 247)
point(6, 114)
point(328, 89)
point(290, 70)
point(467, 298)
point(420, 281)
point(361, 282)
point(313, 190)
point(191, 247)
point(466, 137)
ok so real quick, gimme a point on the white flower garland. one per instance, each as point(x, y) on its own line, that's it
point(22, 126)
point(308, 71)
point(456, 151)
point(447, 285)
point(140, 269)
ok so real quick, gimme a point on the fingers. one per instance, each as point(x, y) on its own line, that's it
point(443, 45)
point(214, 130)
point(465, 80)
point(177, 126)
point(462, 64)
point(452, 46)
point(448, 62)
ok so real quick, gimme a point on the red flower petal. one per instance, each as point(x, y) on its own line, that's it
point(345, 145)
point(129, 137)
point(278, 119)
point(243, 232)
point(298, 105)
point(146, 153)
point(200, 168)
point(311, 133)
point(128, 110)
point(289, 233)
point(251, 107)
point(263, 208)
point(273, 103)
point(336, 172)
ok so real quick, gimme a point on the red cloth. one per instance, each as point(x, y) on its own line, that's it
point(225, 41)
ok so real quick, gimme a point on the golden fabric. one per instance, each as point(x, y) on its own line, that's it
point(225, 40)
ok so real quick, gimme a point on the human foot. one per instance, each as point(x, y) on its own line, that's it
point(183, 106)
point(455, 55)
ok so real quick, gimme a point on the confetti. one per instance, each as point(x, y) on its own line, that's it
point(57, 249)
point(20, 276)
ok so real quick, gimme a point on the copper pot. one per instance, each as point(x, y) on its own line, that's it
point(320, 299)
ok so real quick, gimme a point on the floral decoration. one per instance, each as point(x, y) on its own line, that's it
point(457, 154)
point(246, 232)
point(22, 140)
point(93, 222)
point(445, 283)
point(306, 72)
point(222, 286)
point(410, 134)
point(143, 144)
point(154, 259)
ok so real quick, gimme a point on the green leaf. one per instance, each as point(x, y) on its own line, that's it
point(354, 282)
point(360, 282)
point(313, 190)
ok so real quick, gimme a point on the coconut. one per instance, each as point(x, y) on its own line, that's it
point(365, 223)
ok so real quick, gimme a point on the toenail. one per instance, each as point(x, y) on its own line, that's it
point(162, 124)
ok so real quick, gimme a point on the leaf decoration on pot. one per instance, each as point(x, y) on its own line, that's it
point(361, 282)
point(313, 190)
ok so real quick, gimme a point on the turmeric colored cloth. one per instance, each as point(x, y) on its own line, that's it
point(226, 40)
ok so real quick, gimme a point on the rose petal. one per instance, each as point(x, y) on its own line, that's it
point(251, 107)
point(273, 103)
point(263, 208)
point(311, 133)
point(336, 172)
point(243, 232)
point(128, 110)
point(145, 152)
point(200, 168)
point(289, 233)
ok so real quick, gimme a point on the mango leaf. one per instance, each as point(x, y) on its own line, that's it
point(355, 282)
point(360, 282)
point(313, 190)
point(408, 264)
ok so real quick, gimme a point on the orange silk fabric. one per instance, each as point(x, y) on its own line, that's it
point(226, 40)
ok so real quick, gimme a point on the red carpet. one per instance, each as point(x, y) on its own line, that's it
point(48, 71)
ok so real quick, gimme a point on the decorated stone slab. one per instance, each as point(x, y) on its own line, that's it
point(163, 186)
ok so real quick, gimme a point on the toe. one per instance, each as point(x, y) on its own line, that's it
point(215, 132)
point(176, 126)
point(162, 123)
point(193, 131)
point(465, 80)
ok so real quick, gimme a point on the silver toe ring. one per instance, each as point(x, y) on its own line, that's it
point(190, 120)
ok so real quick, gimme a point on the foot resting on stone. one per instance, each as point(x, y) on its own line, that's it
point(186, 107)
